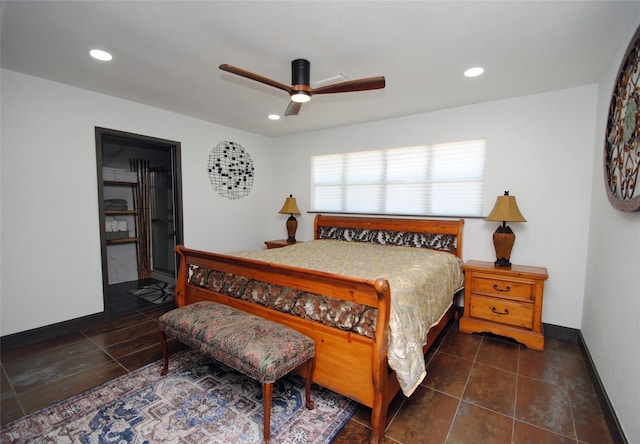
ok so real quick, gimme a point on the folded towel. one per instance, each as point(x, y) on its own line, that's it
point(115, 204)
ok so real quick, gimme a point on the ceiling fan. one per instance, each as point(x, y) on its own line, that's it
point(300, 89)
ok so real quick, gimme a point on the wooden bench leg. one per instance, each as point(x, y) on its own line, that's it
point(267, 392)
point(311, 364)
point(165, 353)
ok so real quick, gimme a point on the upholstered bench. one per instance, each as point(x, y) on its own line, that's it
point(259, 348)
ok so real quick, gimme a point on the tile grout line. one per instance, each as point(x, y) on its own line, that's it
point(575, 439)
point(15, 395)
point(514, 410)
point(573, 420)
point(515, 397)
point(460, 400)
point(435, 350)
point(107, 353)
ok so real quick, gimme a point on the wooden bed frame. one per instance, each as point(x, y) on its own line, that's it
point(347, 363)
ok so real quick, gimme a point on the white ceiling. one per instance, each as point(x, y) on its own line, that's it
point(166, 53)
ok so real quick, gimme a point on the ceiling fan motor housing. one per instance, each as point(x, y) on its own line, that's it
point(300, 72)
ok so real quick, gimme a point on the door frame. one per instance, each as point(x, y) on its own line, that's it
point(176, 165)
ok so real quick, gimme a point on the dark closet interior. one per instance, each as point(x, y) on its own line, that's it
point(141, 217)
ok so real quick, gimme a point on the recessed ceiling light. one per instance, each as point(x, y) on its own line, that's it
point(100, 55)
point(474, 72)
point(274, 117)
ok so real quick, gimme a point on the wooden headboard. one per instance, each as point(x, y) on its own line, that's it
point(443, 235)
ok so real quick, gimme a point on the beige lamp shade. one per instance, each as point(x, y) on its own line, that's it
point(506, 210)
point(290, 206)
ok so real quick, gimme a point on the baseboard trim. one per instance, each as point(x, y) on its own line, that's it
point(49, 332)
point(575, 335)
point(559, 332)
point(617, 434)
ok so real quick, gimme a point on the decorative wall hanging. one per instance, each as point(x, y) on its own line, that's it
point(230, 170)
point(621, 148)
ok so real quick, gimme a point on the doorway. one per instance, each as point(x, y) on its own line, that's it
point(140, 205)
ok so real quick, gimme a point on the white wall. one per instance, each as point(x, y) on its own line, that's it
point(611, 313)
point(50, 264)
point(538, 148)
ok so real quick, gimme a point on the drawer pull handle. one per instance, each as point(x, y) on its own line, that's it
point(505, 312)
point(504, 290)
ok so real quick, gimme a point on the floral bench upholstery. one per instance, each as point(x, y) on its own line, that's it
point(261, 349)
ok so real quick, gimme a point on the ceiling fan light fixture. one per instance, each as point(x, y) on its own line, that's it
point(300, 97)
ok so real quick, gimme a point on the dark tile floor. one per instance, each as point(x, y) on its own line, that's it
point(486, 389)
point(478, 389)
point(35, 376)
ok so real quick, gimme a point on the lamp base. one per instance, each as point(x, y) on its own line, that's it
point(292, 226)
point(503, 263)
point(503, 239)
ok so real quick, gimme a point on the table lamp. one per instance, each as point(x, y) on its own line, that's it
point(290, 207)
point(505, 210)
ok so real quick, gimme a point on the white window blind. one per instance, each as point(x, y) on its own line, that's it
point(438, 180)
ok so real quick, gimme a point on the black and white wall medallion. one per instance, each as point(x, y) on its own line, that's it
point(230, 170)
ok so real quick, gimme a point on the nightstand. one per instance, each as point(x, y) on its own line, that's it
point(506, 301)
point(279, 243)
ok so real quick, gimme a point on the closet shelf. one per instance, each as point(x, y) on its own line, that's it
point(125, 240)
point(119, 182)
point(116, 212)
point(133, 212)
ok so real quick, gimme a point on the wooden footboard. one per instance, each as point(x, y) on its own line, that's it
point(347, 363)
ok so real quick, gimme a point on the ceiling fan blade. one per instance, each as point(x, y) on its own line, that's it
point(253, 76)
point(366, 84)
point(293, 109)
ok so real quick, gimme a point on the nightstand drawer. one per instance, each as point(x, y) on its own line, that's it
point(510, 288)
point(503, 311)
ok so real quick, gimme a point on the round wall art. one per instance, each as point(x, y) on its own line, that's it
point(230, 170)
point(621, 147)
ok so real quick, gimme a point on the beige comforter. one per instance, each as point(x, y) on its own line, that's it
point(422, 284)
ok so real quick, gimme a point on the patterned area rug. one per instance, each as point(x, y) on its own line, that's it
point(157, 293)
point(199, 401)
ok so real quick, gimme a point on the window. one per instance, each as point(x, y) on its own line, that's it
point(437, 180)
